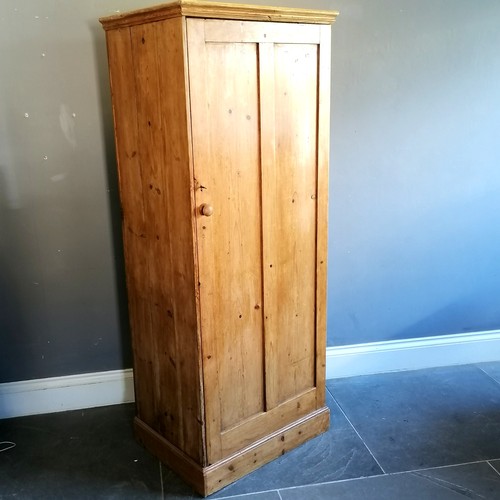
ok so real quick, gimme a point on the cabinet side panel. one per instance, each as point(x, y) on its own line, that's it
point(129, 168)
point(162, 294)
point(132, 205)
point(290, 211)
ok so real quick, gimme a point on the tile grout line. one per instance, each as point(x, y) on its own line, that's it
point(388, 474)
point(356, 431)
point(491, 465)
point(488, 375)
point(241, 495)
point(439, 467)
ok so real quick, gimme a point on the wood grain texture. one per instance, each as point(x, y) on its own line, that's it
point(270, 188)
point(162, 290)
point(258, 32)
point(257, 426)
point(132, 203)
point(188, 469)
point(273, 445)
point(198, 99)
point(222, 142)
point(226, 159)
point(217, 10)
point(207, 480)
point(323, 152)
point(291, 254)
point(255, 162)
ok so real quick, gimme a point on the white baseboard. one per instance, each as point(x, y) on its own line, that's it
point(49, 395)
point(90, 390)
point(412, 354)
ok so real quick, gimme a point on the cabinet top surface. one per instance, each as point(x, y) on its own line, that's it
point(217, 10)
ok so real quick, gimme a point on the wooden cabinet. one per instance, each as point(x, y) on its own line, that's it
point(222, 124)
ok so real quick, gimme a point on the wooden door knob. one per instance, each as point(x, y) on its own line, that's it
point(206, 210)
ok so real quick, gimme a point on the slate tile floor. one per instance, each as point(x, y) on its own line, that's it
point(427, 434)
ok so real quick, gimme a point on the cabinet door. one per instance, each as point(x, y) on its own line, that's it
point(259, 117)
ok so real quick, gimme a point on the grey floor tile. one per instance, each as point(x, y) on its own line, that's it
point(337, 454)
point(425, 418)
point(412, 420)
point(492, 369)
point(268, 495)
point(474, 481)
point(174, 488)
point(77, 454)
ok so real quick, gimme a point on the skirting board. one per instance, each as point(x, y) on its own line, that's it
point(412, 354)
point(73, 392)
point(90, 390)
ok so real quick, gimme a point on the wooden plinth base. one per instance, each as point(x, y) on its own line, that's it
point(207, 480)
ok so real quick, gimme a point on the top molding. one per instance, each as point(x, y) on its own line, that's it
point(216, 10)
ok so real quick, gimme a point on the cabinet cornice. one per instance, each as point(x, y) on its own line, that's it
point(216, 10)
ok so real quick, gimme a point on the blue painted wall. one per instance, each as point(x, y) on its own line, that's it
point(415, 183)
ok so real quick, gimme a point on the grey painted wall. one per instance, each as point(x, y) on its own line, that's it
point(415, 202)
point(413, 241)
point(62, 305)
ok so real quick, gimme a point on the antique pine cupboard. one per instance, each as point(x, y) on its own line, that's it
point(221, 116)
